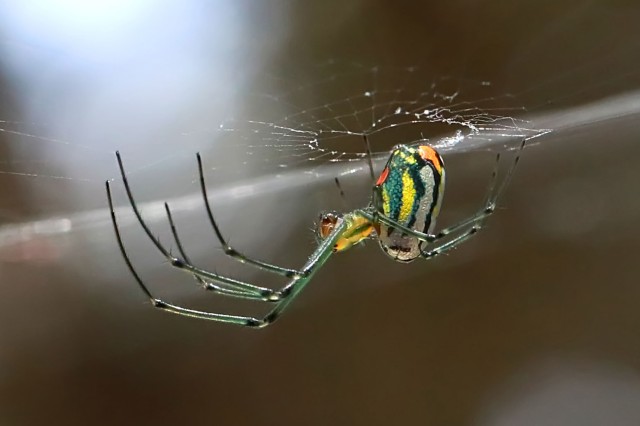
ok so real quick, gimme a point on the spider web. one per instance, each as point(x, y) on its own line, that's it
point(301, 119)
point(326, 121)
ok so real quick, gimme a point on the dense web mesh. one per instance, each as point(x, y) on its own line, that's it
point(325, 121)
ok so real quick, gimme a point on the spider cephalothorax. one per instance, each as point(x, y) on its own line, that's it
point(357, 229)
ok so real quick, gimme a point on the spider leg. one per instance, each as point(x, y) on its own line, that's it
point(288, 292)
point(453, 243)
point(180, 263)
point(160, 304)
point(474, 223)
point(375, 217)
point(240, 292)
point(317, 259)
point(494, 192)
point(230, 251)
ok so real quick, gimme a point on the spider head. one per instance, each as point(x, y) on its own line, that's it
point(357, 229)
point(325, 224)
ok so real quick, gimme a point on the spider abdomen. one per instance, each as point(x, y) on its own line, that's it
point(409, 191)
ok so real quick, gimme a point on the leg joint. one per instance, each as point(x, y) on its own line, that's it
point(230, 251)
point(157, 303)
point(178, 263)
point(262, 323)
point(491, 207)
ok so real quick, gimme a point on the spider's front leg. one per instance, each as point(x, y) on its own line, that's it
point(228, 250)
point(244, 291)
point(230, 286)
point(285, 296)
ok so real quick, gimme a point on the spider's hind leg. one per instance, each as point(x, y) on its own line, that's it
point(470, 226)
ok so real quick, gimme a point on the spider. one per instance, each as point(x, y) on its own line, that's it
point(405, 203)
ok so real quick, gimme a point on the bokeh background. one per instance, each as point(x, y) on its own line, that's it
point(534, 321)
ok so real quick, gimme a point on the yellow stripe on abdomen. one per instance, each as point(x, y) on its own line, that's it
point(408, 197)
point(386, 202)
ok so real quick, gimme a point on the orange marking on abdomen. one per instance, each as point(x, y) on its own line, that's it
point(383, 176)
point(429, 154)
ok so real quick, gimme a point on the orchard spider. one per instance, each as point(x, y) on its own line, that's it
point(405, 202)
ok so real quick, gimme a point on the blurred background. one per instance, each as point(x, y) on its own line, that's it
point(534, 321)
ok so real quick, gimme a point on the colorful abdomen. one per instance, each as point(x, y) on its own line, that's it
point(409, 191)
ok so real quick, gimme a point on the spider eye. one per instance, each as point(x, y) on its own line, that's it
point(326, 222)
